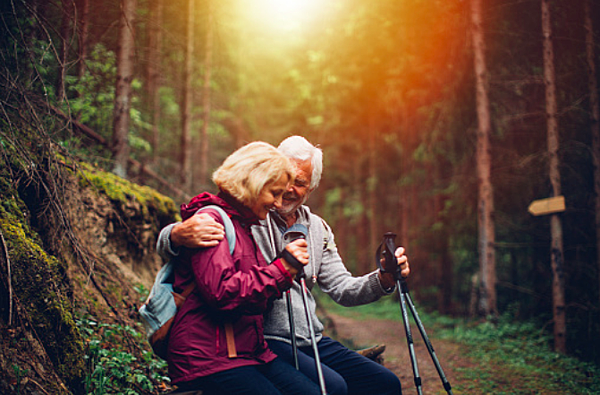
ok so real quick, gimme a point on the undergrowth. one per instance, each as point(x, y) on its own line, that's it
point(513, 357)
point(112, 368)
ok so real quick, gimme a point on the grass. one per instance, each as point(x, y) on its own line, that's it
point(508, 357)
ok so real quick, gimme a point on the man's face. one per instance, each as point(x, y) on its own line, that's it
point(298, 192)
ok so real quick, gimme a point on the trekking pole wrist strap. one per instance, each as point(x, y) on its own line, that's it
point(291, 259)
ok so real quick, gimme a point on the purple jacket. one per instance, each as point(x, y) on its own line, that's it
point(230, 289)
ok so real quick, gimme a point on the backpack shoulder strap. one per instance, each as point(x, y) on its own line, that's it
point(229, 229)
point(230, 234)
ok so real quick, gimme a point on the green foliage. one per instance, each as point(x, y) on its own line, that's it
point(19, 375)
point(112, 369)
point(516, 352)
point(525, 348)
point(92, 98)
point(93, 94)
point(143, 291)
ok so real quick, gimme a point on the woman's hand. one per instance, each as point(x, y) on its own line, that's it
point(299, 250)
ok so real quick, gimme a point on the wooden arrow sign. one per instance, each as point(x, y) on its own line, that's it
point(547, 206)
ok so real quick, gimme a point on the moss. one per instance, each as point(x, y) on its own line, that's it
point(40, 279)
point(35, 283)
point(124, 192)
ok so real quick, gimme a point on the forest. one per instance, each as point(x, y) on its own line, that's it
point(440, 120)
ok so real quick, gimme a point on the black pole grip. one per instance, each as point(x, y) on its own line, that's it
point(294, 232)
point(388, 262)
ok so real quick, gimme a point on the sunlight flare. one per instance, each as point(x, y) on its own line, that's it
point(283, 15)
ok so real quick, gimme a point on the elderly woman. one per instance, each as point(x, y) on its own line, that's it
point(216, 342)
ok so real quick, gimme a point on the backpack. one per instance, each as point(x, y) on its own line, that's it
point(158, 312)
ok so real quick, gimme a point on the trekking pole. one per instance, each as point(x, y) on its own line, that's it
point(299, 231)
point(387, 248)
point(288, 300)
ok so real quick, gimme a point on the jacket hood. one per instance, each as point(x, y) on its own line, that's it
point(227, 202)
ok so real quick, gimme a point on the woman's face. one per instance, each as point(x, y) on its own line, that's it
point(270, 197)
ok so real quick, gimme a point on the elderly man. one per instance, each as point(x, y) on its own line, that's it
point(345, 371)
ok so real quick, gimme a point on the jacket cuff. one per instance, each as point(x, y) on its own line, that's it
point(279, 265)
point(163, 244)
point(381, 288)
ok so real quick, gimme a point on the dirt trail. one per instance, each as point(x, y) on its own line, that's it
point(370, 332)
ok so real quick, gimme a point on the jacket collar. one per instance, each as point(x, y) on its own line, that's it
point(232, 207)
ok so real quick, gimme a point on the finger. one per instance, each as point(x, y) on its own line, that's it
point(204, 216)
point(301, 254)
point(217, 227)
point(299, 243)
point(405, 270)
point(208, 243)
point(208, 226)
point(399, 252)
point(212, 237)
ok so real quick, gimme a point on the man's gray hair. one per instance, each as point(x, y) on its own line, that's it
point(298, 148)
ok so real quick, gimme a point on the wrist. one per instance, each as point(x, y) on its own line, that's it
point(174, 239)
point(387, 281)
point(279, 264)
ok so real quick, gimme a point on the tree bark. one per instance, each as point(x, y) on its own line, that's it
point(362, 230)
point(372, 187)
point(594, 121)
point(186, 106)
point(485, 206)
point(121, 116)
point(558, 292)
point(65, 40)
point(153, 73)
point(404, 195)
point(206, 106)
point(83, 23)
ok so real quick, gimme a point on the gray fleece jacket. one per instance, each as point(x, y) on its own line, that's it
point(325, 268)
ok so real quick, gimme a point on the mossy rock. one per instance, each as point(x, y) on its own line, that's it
point(75, 250)
point(127, 194)
point(39, 285)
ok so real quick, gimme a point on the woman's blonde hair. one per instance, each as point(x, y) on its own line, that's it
point(249, 169)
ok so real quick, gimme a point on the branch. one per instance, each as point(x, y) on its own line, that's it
point(10, 296)
point(88, 132)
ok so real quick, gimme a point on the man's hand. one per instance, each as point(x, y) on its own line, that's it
point(200, 230)
point(299, 249)
point(387, 279)
point(402, 262)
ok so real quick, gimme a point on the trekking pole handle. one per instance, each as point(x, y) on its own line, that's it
point(295, 232)
point(389, 263)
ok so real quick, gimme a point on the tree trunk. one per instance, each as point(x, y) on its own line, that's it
point(83, 23)
point(153, 73)
point(121, 116)
point(206, 98)
point(362, 225)
point(558, 292)
point(373, 218)
point(485, 205)
point(65, 38)
point(186, 106)
point(594, 121)
point(403, 191)
point(341, 226)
